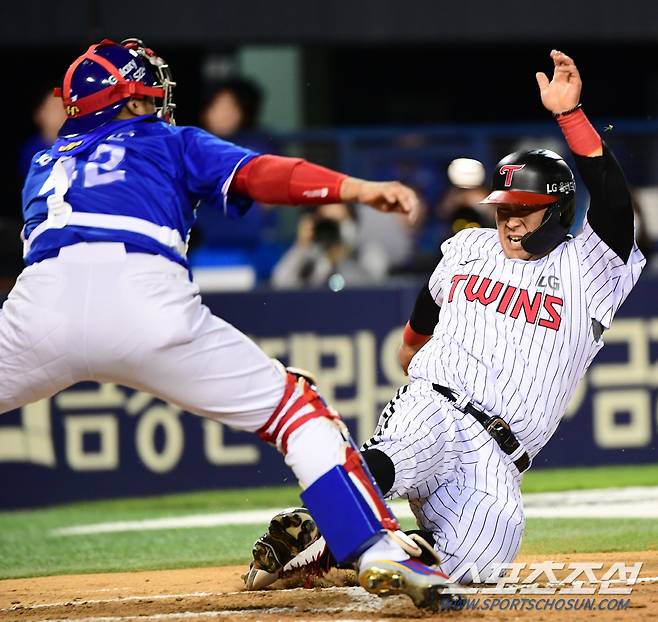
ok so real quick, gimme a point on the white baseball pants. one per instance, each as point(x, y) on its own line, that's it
point(96, 312)
point(460, 484)
point(99, 313)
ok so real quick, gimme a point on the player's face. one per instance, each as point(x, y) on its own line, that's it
point(513, 222)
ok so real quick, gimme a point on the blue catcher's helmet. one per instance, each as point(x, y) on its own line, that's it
point(100, 82)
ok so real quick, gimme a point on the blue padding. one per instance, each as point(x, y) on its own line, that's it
point(344, 517)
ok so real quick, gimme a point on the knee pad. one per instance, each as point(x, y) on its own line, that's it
point(381, 468)
point(300, 403)
point(348, 508)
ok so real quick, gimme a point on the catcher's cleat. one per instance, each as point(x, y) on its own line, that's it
point(292, 541)
point(427, 587)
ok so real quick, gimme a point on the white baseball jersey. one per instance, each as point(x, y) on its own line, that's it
point(517, 336)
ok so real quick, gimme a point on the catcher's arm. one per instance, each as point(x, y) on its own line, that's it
point(279, 180)
point(420, 326)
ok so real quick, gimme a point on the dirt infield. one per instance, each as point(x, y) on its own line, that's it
point(216, 593)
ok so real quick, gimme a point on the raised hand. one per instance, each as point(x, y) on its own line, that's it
point(562, 93)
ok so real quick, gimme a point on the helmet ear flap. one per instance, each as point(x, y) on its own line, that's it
point(568, 214)
point(554, 228)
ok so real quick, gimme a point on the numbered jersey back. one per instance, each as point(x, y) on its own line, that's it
point(140, 168)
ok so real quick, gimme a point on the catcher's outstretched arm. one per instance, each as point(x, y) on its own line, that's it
point(292, 181)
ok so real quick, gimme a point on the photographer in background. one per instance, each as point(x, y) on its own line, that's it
point(327, 252)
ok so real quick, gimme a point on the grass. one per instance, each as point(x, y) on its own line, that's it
point(587, 478)
point(28, 549)
point(546, 536)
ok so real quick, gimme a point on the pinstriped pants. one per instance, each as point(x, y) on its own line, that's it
point(459, 483)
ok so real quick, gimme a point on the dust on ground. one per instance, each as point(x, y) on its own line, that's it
point(201, 594)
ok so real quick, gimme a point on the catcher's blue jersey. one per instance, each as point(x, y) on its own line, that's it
point(140, 167)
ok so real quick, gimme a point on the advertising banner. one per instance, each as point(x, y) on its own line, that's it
point(96, 441)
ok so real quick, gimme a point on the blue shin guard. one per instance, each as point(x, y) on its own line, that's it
point(348, 509)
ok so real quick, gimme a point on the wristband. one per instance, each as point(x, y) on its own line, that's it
point(566, 112)
point(581, 137)
point(412, 338)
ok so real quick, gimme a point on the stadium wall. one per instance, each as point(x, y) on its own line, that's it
point(95, 441)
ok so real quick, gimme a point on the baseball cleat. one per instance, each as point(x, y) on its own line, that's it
point(427, 587)
point(292, 541)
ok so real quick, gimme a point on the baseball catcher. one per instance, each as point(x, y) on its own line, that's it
point(107, 296)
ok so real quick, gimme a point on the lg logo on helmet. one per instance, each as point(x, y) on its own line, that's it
point(563, 186)
point(508, 170)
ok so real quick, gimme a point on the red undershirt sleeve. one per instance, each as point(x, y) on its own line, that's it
point(288, 181)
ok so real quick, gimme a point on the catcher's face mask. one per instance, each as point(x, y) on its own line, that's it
point(163, 77)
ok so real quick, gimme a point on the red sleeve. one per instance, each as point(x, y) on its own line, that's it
point(288, 181)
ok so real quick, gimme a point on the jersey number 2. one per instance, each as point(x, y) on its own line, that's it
point(98, 173)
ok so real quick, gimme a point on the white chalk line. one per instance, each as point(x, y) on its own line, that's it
point(76, 602)
point(192, 615)
point(632, 502)
point(360, 596)
point(628, 502)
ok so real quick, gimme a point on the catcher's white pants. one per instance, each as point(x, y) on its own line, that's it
point(460, 484)
point(98, 313)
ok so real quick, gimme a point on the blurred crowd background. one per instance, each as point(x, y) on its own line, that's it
point(434, 107)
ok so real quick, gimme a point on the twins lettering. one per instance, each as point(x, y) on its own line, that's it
point(542, 308)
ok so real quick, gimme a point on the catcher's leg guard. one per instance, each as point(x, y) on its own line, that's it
point(318, 447)
point(300, 403)
point(364, 516)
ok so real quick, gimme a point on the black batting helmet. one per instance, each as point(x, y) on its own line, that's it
point(537, 178)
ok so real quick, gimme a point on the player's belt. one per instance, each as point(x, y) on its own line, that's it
point(495, 426)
